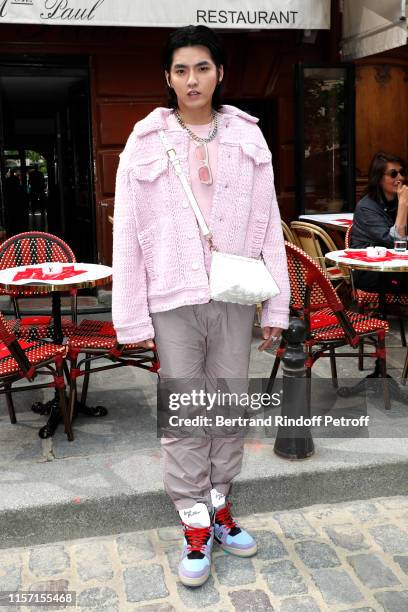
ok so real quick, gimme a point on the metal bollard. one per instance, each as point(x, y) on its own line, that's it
point(295, 441)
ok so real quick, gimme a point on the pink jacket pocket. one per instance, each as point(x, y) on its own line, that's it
point(258, 154)
point(150, 169)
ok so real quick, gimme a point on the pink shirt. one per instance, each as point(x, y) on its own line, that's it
point(203, 193)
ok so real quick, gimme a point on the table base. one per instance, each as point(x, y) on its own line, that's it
point(53, 409)
point(394, 390)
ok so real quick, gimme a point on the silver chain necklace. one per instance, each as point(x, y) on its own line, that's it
point(212, 134)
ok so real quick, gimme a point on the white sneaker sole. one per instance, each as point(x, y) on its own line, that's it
point(239, 552)
point(194, 582)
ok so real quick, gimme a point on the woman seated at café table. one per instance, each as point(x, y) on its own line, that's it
point(380, 217)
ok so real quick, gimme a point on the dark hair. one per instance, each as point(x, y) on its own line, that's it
point(376, 172)
point(191, 36)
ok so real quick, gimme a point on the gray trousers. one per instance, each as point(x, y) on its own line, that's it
point(203, 342)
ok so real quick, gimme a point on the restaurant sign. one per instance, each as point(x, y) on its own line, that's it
point(237, 14)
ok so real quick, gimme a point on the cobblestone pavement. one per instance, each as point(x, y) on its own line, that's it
point(348, 556)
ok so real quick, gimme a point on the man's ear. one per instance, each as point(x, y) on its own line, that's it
point(167, 76)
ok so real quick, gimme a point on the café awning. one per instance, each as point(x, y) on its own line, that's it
point(373, 26)
point(227, 14)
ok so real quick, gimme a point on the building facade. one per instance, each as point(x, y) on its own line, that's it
point(70, 95)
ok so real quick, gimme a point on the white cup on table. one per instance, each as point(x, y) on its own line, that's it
point(53, 268)
point(376, 251)
point(381, 251)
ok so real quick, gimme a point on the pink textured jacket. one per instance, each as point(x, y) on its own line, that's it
point(158, 258)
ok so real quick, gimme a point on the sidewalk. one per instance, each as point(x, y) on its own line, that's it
point(109, 480)
point(343, 557)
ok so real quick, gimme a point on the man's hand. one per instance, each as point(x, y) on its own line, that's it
point(271, 335)
point(147, 344)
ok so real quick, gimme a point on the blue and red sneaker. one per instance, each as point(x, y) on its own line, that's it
point(230, 535)
point(195, 563)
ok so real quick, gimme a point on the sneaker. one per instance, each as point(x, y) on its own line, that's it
point(228, 533)
point(195, 563)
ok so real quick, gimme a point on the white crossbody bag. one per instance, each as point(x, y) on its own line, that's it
point(233, 278)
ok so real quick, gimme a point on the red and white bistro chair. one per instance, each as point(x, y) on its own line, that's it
point(95, 341)
point(26, 360)
point(30, 248)
point(331, 326)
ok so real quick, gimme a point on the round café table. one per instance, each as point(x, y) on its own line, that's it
point(398, 263)
point(334, 221)
point(54, 278)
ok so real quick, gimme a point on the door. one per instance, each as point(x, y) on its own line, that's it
point(47, 111)
point(2, 176)
point(325, 119)
point(79, 194)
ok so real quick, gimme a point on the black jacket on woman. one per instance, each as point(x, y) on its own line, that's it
point(373, 225)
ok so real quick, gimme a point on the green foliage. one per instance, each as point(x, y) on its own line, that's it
point(37, 158)
point(324, 112)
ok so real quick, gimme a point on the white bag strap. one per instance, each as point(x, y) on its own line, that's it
point(173, 157)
